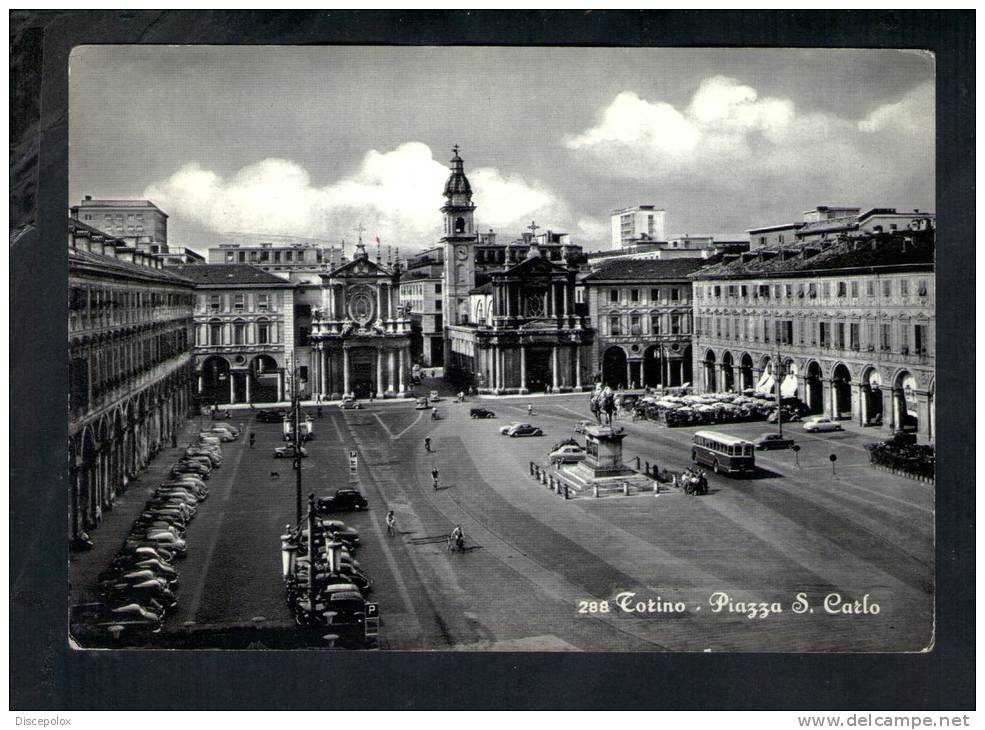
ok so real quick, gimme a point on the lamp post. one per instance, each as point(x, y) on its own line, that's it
point(296, 406)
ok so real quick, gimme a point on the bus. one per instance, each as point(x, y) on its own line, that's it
point(722, 452)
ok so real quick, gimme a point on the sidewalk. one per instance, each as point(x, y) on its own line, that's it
point(85, 567)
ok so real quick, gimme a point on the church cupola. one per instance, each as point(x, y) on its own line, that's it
point(458, 207)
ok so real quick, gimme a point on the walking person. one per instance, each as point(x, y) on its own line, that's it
point(253, 439)
point(530, 409)
point(434, 478)
point(391, 522)
point(427, 444)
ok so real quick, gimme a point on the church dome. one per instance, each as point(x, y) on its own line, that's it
point(457, 183)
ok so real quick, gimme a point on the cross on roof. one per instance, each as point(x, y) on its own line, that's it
point(533, 227)
point(455, 150)
point(359, 229)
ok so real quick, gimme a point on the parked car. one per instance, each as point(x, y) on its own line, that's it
point(821, 423)
point(422, 404)
point(287, 452)
point(224, 434)
point(568, 454)
point(342, 500)
point(433, 396)
point(350, 404)
point(481, 413)
point(521, 429)
point(772, 441)
point(270, 416)
point(582, 425)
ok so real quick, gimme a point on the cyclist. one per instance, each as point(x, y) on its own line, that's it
point(427, 444)
point(456, 540)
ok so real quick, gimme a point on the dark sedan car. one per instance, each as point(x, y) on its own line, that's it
point(772, 441)
point(481, 413)
point(343, 500)
point(270, 416)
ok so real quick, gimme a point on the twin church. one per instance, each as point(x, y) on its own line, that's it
point(511, 330)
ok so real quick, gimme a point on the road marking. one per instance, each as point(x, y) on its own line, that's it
point(382, 539)
point(390, 433)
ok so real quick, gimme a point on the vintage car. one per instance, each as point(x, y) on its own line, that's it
point(568, 454)
point(343, 500)
point(481, 413)
point(772, 441)
point(821, 423)
point(516, 430)
point(287, 452)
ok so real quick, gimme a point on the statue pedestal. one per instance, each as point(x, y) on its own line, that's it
point(603, 472)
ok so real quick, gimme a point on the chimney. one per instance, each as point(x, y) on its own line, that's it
point(88, 197)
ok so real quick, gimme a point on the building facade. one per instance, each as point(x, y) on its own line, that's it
point(850, 321)
point(360, 337)
point(285, 258)
point(130, 367)
point(244, 334)
point(523, 333)
point(641, 310)
point(421, 294)
point(639, 223)
point(139, 223)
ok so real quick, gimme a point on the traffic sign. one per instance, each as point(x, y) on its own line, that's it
point(372, 610)
point(353, 460)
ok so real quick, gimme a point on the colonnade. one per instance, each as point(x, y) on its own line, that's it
point(107, 453)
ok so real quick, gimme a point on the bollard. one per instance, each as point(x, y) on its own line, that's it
point(656, 472)
point(625, 488)
point(550, 482)
point(566, 496)
point(595, 490)
point(647, 470)
point(637, 463)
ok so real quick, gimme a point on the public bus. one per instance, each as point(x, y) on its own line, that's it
point(723, 453)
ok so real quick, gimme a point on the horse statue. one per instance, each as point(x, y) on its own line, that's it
point(602, 402)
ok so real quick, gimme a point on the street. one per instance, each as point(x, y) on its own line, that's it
point(541, 573)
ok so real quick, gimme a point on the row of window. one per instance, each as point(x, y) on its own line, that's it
point(872, 336)
point(812, 290)
point(238, 332)
point(293, 256)
point(656, 294)
point(239, 302)
point(102, 307)
point(100, 370)
point(412, 290)
point(654, 324)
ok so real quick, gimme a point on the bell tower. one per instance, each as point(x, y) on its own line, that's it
point(458, 243)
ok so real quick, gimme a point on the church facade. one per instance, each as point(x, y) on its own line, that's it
point(360, 334)
point(519, 331)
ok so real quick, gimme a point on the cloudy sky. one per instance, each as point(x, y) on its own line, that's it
point(311, 142)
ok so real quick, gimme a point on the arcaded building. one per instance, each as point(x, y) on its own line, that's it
point(850, 320)
point(129, 366)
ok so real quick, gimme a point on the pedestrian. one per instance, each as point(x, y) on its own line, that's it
point(530, 409)
point(253, 440)
point(427, 444)
point(391, 521)
point(434, 478)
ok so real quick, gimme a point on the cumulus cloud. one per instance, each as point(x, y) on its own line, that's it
point(395, 194)
point(730, 138)
point(913, 114)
